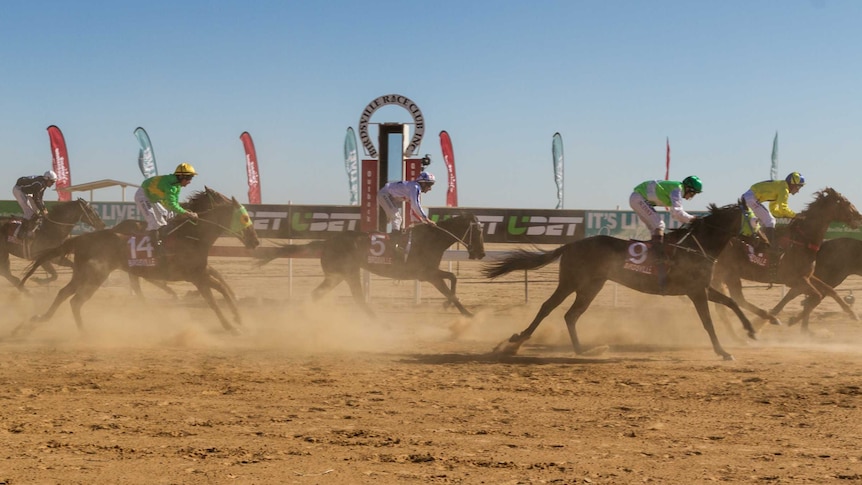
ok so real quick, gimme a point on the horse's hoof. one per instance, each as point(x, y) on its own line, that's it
point(752, 335)
point(775, 321)
point(727, 357)
point(507, 348)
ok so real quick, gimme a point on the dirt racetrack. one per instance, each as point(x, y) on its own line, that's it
point(321, 394)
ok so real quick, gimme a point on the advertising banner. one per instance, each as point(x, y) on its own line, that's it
point(251, 168)
point(449, 161)
point(146, 156)
point(60, 163)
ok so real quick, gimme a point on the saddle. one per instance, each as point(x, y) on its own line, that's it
point(19, 230)
point(386, 248)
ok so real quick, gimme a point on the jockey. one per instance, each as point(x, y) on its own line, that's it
point(776, 192)
point(160, 194)
point(393, 194)
point(28, 191)
point(666, 193)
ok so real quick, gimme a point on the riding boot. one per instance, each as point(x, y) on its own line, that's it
point(21, 231)
point(657, 244)
point(156, 242)
point(398, 238)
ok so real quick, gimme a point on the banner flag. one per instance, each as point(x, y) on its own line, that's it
point(146, 157)
point(557, 154)
point(449, 160)
point(60, 163)
point(773, 172)
point(667, 161)
point(251, 169)
point(351, 165)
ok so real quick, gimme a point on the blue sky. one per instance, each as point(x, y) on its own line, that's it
point(615, 78)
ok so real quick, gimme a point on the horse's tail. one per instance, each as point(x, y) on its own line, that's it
point(521, 259)
point(311, 249)
point(64, 249)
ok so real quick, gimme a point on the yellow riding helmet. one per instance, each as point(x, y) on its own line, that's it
point(185, 169)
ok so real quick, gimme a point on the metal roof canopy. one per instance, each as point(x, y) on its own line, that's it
point(98, 184)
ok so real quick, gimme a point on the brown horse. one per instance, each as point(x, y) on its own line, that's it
point(586, 264)
point(54, 229)
point(804, 236)
point(837, 259)
point(342, 257)
point(187, 247)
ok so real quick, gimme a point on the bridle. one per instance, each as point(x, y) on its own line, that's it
point(467, 238)
point(85, 213)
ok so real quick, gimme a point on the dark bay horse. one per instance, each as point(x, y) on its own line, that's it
point(187, 247)
point(197, 202)
point(837, 259)
point(55, 228)
point(342, 257)
point(586, 265)
point(803, 239)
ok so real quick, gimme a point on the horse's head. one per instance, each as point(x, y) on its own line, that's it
point(74, 211)
point(475, 238)
point(242, 225)
point(89, 215)
point(468, 230)
point(225, 212)
point(830, 206)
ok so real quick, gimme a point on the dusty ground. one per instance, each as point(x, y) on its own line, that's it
point(158, 393)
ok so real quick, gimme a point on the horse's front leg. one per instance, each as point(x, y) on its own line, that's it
point(6, 271)
point(219, 284)
point(791, 294)
point(203, 286)
point(825, 290)
point(438, 282)
point(701, 304)
point(52, 274)
point(718, 297)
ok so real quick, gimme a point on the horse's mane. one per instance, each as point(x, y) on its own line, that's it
point(819, 197)
point(461, 215)
point(204, 200)
point(713, 209)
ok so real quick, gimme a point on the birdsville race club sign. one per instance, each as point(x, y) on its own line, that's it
point(404, 102)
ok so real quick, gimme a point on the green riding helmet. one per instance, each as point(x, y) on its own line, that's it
point(693, 183)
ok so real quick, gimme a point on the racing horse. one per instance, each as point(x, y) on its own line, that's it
point(802, 241)
point(53, 230)
point(134, 227)
point(837, 259)
point(187, 247)
point(342, 257)
point(586, 264)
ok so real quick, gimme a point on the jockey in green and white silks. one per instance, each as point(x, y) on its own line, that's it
point(666, 193)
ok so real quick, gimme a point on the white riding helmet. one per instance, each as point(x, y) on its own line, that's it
point(51, 175)
point(426, 178)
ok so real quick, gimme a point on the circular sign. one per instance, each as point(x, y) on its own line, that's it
point(404, 102)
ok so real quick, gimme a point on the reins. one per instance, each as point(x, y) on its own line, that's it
point(461, 240)
point(84, 213)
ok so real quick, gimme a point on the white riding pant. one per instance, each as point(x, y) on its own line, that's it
point(647, 214)
point(155, 213)
point(28, 207)
point(761, 211)
point(392, 208)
